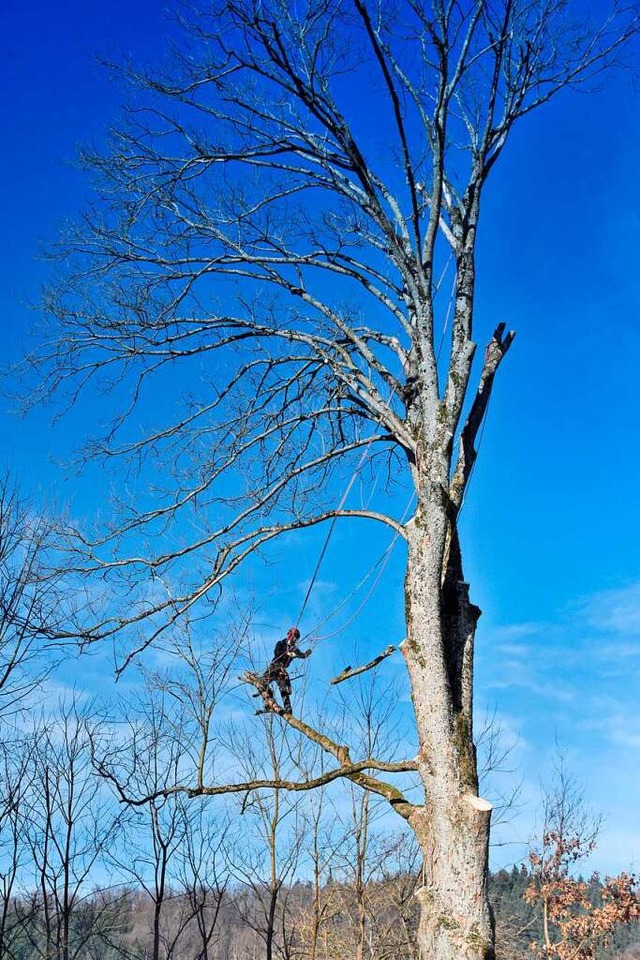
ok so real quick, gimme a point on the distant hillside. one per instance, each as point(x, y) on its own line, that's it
point(518, 925)
point(334, 921)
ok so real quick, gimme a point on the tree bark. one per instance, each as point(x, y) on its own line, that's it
point(456, 921)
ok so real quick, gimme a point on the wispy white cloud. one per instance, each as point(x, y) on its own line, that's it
point(516, 631)
point(573, 678)
point(517, 650)
point(533, 674)
point(550, 690)
point(615, 611)
point(614, 720)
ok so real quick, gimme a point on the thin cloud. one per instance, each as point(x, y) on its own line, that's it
point(615, 611)
point(615, 722)
point(552, 690)
point(522, 650)
point(515, 631)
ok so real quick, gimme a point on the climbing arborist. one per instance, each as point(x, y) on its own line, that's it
point(284, 652)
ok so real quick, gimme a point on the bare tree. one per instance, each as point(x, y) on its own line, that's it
point(321, 841)
point(396, 928)
point(259, 230)
point(15, 785)
point(30, 599)
point(173, 851)
point(67, 826)
point(369, 715)
point(266, 868)
point(149, 753)
point(202, 878)
point(174, 856)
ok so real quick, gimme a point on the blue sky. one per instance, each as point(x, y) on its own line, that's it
point(551, 523)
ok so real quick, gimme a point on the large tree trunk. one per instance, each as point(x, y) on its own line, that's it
point(455, 916)
point(456, 921)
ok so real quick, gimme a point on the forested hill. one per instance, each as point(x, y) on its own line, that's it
point(519, 925)
point(331, 921)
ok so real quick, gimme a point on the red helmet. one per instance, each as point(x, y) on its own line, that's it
point(293, 634)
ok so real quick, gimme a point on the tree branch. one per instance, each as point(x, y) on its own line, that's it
point(467, 453)
point(350, 672)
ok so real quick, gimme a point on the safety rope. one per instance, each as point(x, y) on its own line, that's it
point(365, 454)
point(383, 560)
point(355, 473)
point(313, 632)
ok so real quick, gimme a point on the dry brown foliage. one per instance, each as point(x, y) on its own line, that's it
point(579, 916)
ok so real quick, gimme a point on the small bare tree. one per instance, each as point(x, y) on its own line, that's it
point(266, 868)
point(369, 711)
point(320, 844)
point(274, 219)
point(202, 878)
point(173, 851)
point(149, 754)
point(15, 785)
point(68, 824)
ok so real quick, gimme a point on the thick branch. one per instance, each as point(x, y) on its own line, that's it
point(467, 453)
point(341, 752)
point(349, 770)
point(348, 672)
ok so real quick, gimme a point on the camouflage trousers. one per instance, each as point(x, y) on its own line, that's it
point(278, 675)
